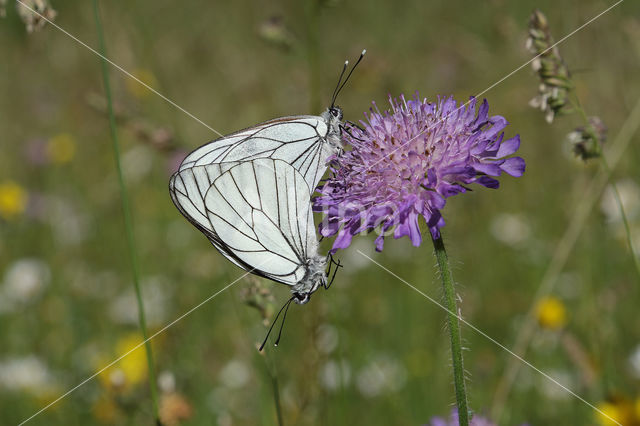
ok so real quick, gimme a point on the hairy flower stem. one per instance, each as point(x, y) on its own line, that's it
point(128, 225)
point(453, 322)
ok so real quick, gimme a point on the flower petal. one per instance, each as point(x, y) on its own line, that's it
point(508, 147)
point(514, 166)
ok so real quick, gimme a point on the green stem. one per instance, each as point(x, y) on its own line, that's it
point(625, 221)
point(273, 374)
point(128, 225)
point(312, 10)
point(276, 398)
point(453, 322)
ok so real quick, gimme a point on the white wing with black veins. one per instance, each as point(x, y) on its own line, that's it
point(299, 141)
point(256, 213)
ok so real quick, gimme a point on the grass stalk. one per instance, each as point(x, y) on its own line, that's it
point(605, 166)
point(312, 11)
point(272, 370)
point(126, 211)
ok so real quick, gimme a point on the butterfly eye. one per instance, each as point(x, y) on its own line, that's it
point(336, 112)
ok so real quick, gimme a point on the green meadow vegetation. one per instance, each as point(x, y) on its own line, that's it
point(371, 350)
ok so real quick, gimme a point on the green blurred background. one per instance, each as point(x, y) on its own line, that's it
point(369, 351)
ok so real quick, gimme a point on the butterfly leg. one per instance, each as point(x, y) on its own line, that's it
point(348, 131)
point(332, 261)
point(351, 123)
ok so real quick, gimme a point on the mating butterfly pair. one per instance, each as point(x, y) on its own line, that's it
point(249, 193)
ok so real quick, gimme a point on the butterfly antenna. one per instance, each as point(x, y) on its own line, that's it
point(336, 92)
point(287, 303)
point(284, 318)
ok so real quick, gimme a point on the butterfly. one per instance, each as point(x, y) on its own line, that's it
point(249, 194)
point(257, 214)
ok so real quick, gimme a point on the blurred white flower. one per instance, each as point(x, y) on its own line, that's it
point(629, 196)
point(510, 229)
point(68, 225)
point(634, 362)
point(225, 419)
point(327, 340)
point(124, 309)
point(27, 374)
point(552, 390)
point(167, 382)
point(137, 163)
point(235, 374)
point(382, 375)
point(353, 259)
point(24, 281)
point(335, 374)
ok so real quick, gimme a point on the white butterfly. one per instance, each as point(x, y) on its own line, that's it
point(257, 214)
point(249, 193)
point(303, 141)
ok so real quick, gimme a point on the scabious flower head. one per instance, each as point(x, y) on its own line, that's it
point(406, 162)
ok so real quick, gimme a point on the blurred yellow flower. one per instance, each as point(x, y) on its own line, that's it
point(134, 365)
point(13, 199)
point(137, 89)
point(551, 313)
point(636, 409)
point(131, 370)
point(615, 412)
point(61, 148)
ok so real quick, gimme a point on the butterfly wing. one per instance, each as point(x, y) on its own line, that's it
point(256, 213)
point(299, 141)
point(188, 189)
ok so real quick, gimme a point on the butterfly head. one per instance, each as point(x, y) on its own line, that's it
point(333, 117)
point(301, 298)
point(335, 112)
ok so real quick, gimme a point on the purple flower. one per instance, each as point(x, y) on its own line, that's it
point(453, 420)
point(407, 162)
